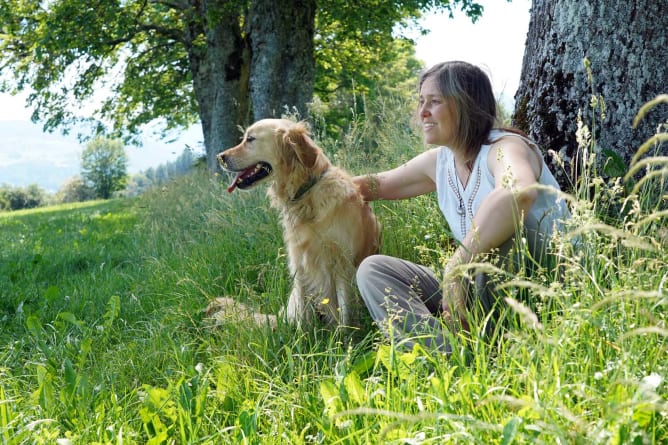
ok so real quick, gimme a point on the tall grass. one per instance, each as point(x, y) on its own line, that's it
point(103, 337)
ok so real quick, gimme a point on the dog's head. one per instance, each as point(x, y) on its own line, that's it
point(273, 149)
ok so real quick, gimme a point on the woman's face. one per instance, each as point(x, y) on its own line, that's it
point(437, 115)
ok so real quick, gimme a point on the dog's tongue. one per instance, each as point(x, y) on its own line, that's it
point(232, 186)
point(239, 178)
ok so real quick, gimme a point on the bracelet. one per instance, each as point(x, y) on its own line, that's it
point(372, 186)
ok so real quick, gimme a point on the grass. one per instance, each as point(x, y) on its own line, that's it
point(103, 338)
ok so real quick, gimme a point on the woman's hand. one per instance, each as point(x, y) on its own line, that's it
point(455, 289)
point(454, 305)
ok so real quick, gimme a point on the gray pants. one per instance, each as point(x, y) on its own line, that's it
point(404, 299)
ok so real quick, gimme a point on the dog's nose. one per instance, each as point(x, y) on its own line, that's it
point(222, 159)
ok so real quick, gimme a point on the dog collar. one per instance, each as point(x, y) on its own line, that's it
point(308, 185)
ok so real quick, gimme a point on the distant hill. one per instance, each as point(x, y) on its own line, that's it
point(30, 156)
point(42, 173)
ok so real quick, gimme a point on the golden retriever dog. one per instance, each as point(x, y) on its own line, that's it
point(327, 226)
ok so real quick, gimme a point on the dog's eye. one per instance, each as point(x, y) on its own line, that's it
point(250, 138)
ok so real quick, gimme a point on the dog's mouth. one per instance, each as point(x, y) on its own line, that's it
point(249, 177)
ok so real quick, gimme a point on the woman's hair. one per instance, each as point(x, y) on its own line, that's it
point(470, 90)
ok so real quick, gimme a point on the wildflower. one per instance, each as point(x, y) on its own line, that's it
point(651, 382)
point(582, 134)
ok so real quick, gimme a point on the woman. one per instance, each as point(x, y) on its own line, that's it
point(486, 182)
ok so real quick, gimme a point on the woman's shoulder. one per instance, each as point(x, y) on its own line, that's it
point(510, 150)
point(440, 153)
point(512, 136)
point(423, 163)
point(429, 157)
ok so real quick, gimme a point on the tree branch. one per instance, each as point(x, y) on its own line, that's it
point(172, 33)
point(175, 4)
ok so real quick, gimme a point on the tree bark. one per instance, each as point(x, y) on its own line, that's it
point(625, 42)
point(282, 64)
point(258, 71)
point(218, 58)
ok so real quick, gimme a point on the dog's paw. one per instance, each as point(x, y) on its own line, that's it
point(223, 304)
point(224, 310)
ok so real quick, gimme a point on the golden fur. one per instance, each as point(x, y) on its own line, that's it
point(327, 227)
point(225, 309)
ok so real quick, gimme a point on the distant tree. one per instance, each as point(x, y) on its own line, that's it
point(150, 174)
point(161, 174)
point(185, 161)
point(17, 198)
point(137, 184)
point(504, 115)
point(153, 176)
point(104, 166)
point(4, 200)
point(75, 190)
point(35, 196)
point(388, 71)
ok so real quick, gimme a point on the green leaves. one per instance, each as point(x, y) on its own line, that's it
point(69, 53)
point(7, 417)
point(44, 395)
point(176, 411)
point(158, 414)
point(62, 379)
point(133, 62)
point(510, 431)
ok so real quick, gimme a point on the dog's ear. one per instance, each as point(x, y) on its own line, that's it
point(306, 150)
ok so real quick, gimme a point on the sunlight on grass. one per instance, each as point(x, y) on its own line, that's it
point(56, 208)
point(103, 338)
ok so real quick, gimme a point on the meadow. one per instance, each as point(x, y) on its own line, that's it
point(103, 338)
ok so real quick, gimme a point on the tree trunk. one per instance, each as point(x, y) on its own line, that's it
point(282, 64)
point(228, 81)
point(625, 42)
point(219, 64)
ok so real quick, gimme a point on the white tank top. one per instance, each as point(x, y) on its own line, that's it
point(459, 203)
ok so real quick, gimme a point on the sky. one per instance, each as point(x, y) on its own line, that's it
point(495, 43)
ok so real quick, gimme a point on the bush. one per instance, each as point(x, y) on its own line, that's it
point(17, 198)
point(75, 190)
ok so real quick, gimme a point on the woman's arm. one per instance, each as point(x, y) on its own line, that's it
point(415, 177)
point(515, 168)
